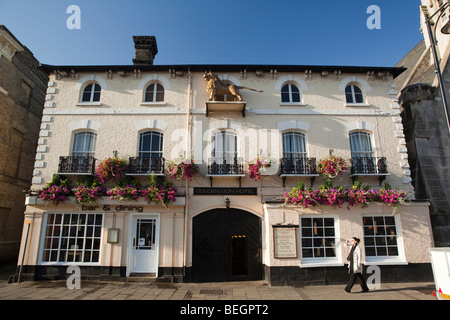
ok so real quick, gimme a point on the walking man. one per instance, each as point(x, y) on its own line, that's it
point(355, 266)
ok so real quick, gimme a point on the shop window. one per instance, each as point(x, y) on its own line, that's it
point(318, 237)
point(72, 238)
point(380, 236)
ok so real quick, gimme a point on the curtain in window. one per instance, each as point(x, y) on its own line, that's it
point(150, 144)
point(294, 145)
point(84, 144)
point(224, 146)
point(361, 145)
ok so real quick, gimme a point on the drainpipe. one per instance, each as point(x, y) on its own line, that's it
point(188, 155)
point(28, 222)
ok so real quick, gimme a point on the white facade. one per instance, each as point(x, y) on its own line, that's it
point(319, 117)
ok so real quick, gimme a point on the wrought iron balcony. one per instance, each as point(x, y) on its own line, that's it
point(76, 165)
point(368, 166)
point(145, 165)
point(225, 166)
point(298, 166)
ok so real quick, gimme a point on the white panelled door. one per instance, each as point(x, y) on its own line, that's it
point(144, 244)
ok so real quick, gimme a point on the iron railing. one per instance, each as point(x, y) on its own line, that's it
point(225, 166)
point(368, 165)
point(298, 165)
point(76, 164)
point(146, 165)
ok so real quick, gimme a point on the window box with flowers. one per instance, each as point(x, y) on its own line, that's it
point(338, 196)
point(87, 192)
point(111, 169)
point(56, 191)
point(255, 166)
point(183, 169)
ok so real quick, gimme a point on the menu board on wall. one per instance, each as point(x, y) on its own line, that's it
point(285, 242)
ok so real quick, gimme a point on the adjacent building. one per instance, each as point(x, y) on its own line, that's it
point(258, 205)
point(22, 93)
point(425, 120)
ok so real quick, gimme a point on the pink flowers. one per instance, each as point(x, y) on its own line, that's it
point(124, 193)
point(111, 168)
point(184, 169)
point(254, 167)
point(160, 193)
point(54, 194)
point(337, 197)
point(56, 191)
point(332, 166)
point(87, 194)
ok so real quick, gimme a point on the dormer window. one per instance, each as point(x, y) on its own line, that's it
point(91, 93)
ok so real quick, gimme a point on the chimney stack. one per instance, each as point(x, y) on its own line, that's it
point(145, 50)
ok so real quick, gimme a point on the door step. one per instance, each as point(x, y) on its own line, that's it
point(141, 277)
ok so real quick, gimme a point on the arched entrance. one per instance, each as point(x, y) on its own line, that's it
point(226, 246)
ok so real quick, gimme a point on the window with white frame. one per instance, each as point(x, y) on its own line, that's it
point(318, 237)
point(353, 94)
point(290, 93)
point(361, 145)
point(84, 144)
point(72, 238)
point(151, 144)
point(154, 93)
point(380, 236)
point(91, 93)
point(294, 145)
point(224, 146)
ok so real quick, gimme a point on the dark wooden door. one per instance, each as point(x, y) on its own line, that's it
point(226, 246)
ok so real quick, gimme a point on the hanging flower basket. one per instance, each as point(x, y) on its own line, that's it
point(184, 169)
point(332, 166)
point(111, 168)
point(164, 193)
point(255, 166)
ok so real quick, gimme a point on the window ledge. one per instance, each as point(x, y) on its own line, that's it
point(162, 103)
point(310, 263)
point(358, 105)
point(89, 104)
point(293, 104)
point(383, 261)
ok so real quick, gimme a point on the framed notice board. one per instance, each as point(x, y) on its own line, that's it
point(285, 242)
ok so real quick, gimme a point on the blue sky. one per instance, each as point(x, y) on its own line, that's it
point(294, 32)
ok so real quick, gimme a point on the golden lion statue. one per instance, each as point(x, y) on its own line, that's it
point(218, 87)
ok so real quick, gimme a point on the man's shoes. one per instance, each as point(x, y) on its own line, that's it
point(365, 290)
point(346, 290)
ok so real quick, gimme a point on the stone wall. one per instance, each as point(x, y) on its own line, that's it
point(428, 143)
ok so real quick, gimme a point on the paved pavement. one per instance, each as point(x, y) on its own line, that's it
point(254, 290)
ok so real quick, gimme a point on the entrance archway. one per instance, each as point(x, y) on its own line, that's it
point(226, 246)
